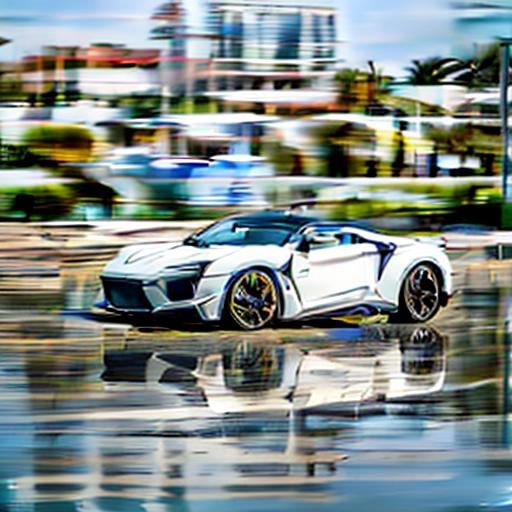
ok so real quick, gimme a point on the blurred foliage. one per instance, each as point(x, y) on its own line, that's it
point(358, 89)
point(343, 146)
point(60, 142)
point(483, 68)
point(506, 216)
point(11, 89)
point(141, 106)
point(465, 139)
point(464, 203)
point(425, 216)
point(14, 155)
point(169, 211)
point(363, 209)
point(433, 71)
point(37, 203)
point(280, 156)
point(454, 195)
point(409, 106)
point(346, 79)
point(442, 205)
point(149, 106)
point(455, 139)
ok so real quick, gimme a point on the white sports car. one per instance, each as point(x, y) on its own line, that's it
point(252, 270)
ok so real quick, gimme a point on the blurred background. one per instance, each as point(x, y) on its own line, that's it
point(183, 110)
point(134, 121)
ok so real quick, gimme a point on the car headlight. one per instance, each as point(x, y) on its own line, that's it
point(180, 270)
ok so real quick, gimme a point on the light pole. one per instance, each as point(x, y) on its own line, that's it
point(3, 41)
point(504, 82)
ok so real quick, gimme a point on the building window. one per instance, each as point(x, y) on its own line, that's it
point(323, 36)
point(232, 33)
point(289, 36)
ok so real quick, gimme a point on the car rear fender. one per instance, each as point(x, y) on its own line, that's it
point(403, 261)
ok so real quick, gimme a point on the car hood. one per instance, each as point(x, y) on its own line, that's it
point(149, 259)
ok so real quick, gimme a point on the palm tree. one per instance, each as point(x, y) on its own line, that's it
point(433, 71)
point(376, 82)
point(346, 83)
point(483, 69)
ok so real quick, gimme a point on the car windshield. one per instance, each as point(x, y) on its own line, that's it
point(243, 232)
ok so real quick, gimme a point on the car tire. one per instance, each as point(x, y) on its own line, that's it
point(252, 300)
point(420, 295)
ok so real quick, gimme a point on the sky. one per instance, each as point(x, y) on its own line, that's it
point(393, 32)
point(390, 32)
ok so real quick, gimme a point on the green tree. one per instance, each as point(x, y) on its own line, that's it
point(466, 139)
point(346, 80)
point(433, 71)
point(483, 69)
point(60, 142)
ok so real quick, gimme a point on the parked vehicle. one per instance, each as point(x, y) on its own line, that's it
point(230, 180)
point(224, 180)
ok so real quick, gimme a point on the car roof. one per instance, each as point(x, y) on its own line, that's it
point(277, 216)
point(299, 219)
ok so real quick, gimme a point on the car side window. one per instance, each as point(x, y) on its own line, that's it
point(324, 237)
point(346, 238)
point(322, 242)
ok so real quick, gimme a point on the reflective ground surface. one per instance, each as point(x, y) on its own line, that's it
point(98, 415)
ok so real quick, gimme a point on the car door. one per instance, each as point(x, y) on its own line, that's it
point(336, 268)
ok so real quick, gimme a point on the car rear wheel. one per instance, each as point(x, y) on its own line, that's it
point(252, 300)
point(420, 294)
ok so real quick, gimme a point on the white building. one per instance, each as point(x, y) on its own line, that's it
point(233, 44)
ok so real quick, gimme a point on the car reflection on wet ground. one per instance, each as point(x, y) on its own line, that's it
point(99, 415)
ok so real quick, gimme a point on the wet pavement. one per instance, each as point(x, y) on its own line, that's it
point(100, 415)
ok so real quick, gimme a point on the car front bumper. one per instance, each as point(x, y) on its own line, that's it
point(127, 295)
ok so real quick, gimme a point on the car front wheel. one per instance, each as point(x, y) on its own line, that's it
point(252, 300)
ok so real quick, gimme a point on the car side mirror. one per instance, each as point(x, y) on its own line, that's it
point(309, 240)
